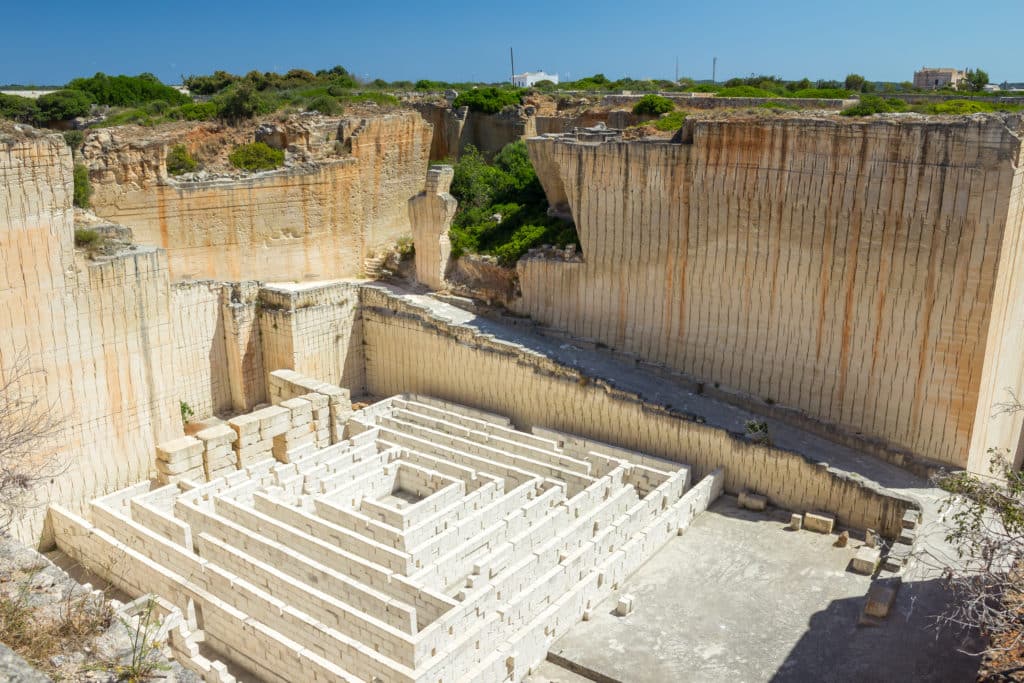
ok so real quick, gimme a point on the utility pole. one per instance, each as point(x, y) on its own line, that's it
point(512, 58)
point(714, 69)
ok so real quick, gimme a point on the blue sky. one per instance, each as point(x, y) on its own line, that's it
point(55, 41)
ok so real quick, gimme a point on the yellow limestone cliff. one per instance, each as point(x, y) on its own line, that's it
point(865, 274)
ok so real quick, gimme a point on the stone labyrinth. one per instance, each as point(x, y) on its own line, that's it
point(437, 543)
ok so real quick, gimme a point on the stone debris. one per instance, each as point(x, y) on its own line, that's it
point(843, 539)
point(752, 501)
point(796, 521)
point(435, 543)
point(624, 606)
point(820, 522)
point(866, 560)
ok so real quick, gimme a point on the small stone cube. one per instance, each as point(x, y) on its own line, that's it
point(866, 560)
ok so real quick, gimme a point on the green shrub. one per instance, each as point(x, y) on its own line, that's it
point(325, 105)
point(508, 187)
point(653, 104)
point(242, 102)
point(256, 156)
point(489, 100)
point(127, 91)
point(74, 138)
point(963, 107)
point(18, 108)
point(199, 111)
point(872, 104)
point(668, 123)
point(86, 238)
point(380, 98)
point(746, 91)
point(210, 85)
point(822, 93)
point(63, 105)
point(180, 161)
point(82, 186)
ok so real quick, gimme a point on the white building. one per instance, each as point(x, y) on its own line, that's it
point(525, 80)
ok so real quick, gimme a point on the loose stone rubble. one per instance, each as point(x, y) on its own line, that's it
point(434, 543)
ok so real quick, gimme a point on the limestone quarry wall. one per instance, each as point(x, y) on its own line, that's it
point(408, 349)
point(455, 129)
point(200, 352)
point(315, 221)
point(863, 273)
point(96, 333)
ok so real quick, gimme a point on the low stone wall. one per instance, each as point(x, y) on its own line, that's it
point(410, 349)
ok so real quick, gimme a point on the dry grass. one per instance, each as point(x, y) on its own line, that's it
point(38, 634)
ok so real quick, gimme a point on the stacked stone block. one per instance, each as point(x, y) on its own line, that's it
point(218, 450)
point(180, 459)
point(437, 544)
point(331, 412)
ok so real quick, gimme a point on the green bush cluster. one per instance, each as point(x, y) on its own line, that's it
point(508, 187)
point(256, 156)
point(667, 123)
point(653, 104)
point(62, 105)
point(325, 104)
point(86, 238)
point(872, 104)
point(82, 188)
point(74, 138)
point(128, 91)
point(489, 100)
point(17, 108)
point(180, 161)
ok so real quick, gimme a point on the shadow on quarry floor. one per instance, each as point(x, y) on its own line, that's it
point(739, 597)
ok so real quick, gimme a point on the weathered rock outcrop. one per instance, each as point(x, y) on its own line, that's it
point(455, 129)
point(431, 213)
point(869, 274)
point(316, 219)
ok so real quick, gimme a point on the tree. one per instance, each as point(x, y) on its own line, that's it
point(241, 102)
point(63, 105)
point(976, 80)
point(653, 104)
point(27, 427)
point(854, 82)
point(985, 514)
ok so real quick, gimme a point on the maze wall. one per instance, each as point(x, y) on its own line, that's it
point(436, 544)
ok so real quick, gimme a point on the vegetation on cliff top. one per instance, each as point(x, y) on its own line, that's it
point(180, 161)
point(502, 207)
point(128, 91)
point(489, 100)
point(256, 156)
point(653, 104)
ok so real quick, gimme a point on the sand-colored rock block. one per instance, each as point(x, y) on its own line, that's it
point(819, 522)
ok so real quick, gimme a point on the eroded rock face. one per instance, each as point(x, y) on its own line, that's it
point(342, 194)
point(858, 272)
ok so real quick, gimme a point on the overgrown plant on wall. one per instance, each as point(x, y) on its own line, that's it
point(180, 161)
point(502, 207)
point(256, 156)
point(82, 189)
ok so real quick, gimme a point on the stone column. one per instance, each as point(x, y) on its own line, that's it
point(431, 213)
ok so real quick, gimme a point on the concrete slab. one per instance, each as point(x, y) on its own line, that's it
point(740, 597)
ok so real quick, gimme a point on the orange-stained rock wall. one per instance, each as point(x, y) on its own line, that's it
point(311, 221)
point(864, 274)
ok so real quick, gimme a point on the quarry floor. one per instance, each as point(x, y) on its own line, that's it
point(739, 597)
